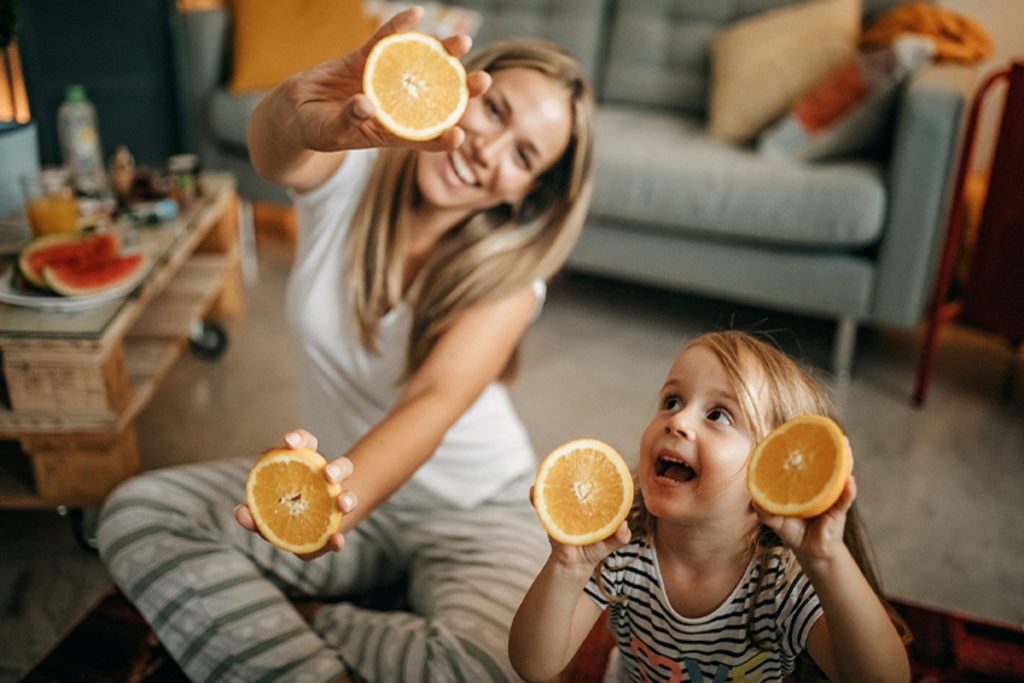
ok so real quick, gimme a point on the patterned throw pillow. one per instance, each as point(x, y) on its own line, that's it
point(850, 109)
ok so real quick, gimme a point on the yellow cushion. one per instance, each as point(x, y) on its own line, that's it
point(273, 39)
point(761, 64)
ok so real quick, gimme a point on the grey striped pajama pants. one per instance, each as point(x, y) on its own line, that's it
point(218, 596)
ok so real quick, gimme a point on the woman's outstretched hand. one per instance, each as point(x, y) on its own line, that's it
point(332, 113)
point(337, 471)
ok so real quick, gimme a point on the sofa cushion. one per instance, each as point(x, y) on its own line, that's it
point(761, 64)
point(661, 170)
point(576, 24)
point(659, 58)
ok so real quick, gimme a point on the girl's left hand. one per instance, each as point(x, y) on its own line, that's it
point(817, 538)
point(587, 556)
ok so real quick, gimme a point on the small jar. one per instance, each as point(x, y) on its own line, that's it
point(122, 174)
point(183, 170)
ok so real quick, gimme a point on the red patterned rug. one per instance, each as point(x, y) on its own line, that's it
point(113, 643)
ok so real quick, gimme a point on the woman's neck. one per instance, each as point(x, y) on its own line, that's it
point(425, 230)
point(427, 225)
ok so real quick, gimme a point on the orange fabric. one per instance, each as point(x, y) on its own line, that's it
point(273, 39)
point(831, 98)
point(957, 38)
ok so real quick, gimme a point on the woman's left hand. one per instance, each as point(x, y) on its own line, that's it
point(337, 471)
point(816, 538)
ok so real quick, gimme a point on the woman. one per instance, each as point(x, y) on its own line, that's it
point(418, 268)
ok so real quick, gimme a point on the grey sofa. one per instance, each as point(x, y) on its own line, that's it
point(854, 240)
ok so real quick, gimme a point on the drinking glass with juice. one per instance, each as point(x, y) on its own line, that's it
point(50, 202)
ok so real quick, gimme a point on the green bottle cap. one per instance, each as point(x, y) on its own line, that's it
point(75, 93)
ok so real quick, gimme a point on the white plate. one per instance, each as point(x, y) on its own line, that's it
point(64, 304)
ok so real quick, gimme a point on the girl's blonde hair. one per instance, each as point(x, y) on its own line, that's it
point(492, 253)
point(758, 368)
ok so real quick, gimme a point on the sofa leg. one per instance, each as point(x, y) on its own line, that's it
point(842, 348)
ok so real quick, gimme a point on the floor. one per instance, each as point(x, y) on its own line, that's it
point(937, 484)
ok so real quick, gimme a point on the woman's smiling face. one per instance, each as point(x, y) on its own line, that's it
point(694, 452)
point(514, 133)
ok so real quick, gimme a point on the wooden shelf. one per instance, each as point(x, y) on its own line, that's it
point(17, 491)
point(70, 402)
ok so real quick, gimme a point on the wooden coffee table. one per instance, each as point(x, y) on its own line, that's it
point(73, 383)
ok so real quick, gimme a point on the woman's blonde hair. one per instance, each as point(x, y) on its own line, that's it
point(757, 368)
point(492, 253)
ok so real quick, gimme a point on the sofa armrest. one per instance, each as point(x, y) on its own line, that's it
point(926, 141)
point(201, 53)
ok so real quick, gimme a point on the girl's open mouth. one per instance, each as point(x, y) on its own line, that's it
point(673, 469)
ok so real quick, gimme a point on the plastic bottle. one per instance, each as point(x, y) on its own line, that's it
point(80, 142)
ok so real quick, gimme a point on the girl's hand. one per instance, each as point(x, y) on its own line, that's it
point(332, 113)
point(576, 556)
point(814, 540)
point(336, 471)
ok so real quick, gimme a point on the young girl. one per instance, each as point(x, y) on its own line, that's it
point(418, 268)
point(700, 585)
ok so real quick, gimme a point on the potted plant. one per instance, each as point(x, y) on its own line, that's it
point(19, 146)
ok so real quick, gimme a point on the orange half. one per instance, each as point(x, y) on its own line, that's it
point(800, 468)
point(291, 502)
point(417, 86)
point(582, 492)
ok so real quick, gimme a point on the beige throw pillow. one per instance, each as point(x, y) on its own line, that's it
point(762, 64)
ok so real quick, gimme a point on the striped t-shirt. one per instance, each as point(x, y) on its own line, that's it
point(657, 644)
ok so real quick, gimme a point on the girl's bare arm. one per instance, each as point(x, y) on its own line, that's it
point(552, 621)
point(556, 615)
point(855, 640)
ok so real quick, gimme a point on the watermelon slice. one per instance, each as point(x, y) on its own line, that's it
point(60, 249)
point(81, 277)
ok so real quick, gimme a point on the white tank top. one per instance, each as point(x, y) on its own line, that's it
point(346, 390)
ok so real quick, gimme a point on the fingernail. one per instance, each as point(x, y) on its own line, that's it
point(361, 109)
point(334, 472)
point(293, 439)
point(347, 502)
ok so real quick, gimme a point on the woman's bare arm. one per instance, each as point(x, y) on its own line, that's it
point(467, 357)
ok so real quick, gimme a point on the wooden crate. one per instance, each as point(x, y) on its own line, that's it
point(83, 466)
point(82, 383)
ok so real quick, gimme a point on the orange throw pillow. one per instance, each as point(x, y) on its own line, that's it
point(275, 38)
